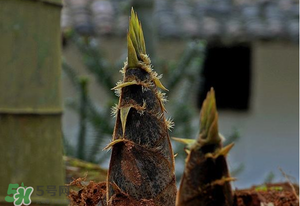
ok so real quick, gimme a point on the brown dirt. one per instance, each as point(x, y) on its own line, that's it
point(94, 194)
point(280, 194)
point(91, 194)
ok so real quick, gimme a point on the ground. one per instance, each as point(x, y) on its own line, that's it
point(280, 194)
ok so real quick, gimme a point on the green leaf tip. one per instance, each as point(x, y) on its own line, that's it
point(123, 114)
point(209, 119)
point(135, 40)
point(187, 142)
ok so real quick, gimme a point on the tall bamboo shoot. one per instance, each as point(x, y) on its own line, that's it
point(142, 161)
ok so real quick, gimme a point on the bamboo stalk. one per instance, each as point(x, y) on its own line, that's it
point(30, 100)
point(83, 82)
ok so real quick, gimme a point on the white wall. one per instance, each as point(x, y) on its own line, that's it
point(270, 130)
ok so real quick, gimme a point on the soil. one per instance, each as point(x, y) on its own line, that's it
point(279, 194)
point(88, 194)
point(94, 194)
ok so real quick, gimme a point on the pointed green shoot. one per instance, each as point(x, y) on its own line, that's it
point(209, 119)
point(135, 40)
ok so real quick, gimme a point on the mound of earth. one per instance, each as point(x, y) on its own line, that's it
point(94, 194)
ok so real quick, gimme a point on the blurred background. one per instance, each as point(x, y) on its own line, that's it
point(247, 50)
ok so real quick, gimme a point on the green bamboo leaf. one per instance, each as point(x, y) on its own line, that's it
point(209, 119)
point(132, 57)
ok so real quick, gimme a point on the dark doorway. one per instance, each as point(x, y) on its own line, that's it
point(228, 70)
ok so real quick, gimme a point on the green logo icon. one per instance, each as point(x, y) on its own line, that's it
point(20, 194)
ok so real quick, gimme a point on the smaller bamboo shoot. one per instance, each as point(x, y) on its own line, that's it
point(206, 179)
